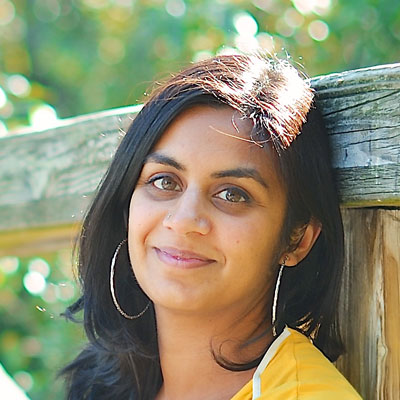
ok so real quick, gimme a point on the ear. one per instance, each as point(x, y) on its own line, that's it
point(311, 233)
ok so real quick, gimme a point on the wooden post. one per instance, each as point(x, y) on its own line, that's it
point(48, 178)
point(370, 302)
point(361, 109)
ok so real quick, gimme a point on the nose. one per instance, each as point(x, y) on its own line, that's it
point(188, 215)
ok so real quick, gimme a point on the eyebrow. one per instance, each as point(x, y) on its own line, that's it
point(165, 160)
point(240, 172)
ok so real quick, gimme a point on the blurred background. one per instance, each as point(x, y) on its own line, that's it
point(61, 58)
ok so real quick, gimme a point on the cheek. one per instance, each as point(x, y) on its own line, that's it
point(138, 207)
point(140, 222)
point(139, 226)
point(254, 242)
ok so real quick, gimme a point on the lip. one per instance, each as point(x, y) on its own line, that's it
point(181, 258)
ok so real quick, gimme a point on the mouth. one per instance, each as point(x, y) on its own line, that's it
point(181, 258)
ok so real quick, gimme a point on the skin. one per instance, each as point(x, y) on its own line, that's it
point(204, 239)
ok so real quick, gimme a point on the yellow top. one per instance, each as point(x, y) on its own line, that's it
point(293, 368)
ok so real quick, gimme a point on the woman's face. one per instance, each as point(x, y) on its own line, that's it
point(206, 216)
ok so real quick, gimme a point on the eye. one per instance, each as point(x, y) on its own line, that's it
point(164, 182)
point(233, 195)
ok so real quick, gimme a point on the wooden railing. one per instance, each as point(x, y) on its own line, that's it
point(48, 178)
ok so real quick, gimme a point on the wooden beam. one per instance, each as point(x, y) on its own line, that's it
point(362, 114)
point(48, 178)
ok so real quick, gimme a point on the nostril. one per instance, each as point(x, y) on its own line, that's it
point(185, 222)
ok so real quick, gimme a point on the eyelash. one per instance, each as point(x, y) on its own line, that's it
point(235, 191)
point(245, 198)
point(156, 178)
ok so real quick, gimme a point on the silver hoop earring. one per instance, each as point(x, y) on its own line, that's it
point(276, 292)
point(112, 288)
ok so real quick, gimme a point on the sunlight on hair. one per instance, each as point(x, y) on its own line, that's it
point(293, 96)
point(295, 88)
point(255, 74)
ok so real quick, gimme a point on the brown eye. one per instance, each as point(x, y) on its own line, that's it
point(165, 183)
point(233, 195)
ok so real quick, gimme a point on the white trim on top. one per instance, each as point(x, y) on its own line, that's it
point(265, 361)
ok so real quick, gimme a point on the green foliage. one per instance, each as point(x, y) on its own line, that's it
point(35, 341)
point(81, 56)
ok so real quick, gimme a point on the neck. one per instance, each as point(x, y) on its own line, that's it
point(186, 346)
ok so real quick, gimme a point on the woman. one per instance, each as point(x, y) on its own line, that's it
point(212, 254)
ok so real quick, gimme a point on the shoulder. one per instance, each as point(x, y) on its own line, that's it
point(298, 370)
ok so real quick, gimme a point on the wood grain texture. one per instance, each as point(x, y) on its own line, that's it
point(370, 302)
point(48, 178)
point(362, 114)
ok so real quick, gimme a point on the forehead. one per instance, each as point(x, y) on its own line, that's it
point(215, 138)
point(212, 129)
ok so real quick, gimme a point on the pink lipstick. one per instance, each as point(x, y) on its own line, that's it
point(181, 258)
